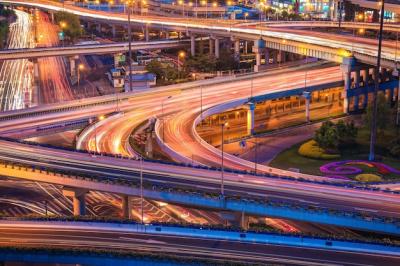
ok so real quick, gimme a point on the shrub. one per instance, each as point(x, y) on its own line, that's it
point(395, 148)
point(311, 149)
point(368, 178)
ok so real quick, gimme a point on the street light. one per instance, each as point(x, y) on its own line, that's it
point(205, 3)
point(129, 6)
point(223, 125)
point(182, 3)
point(81, 67)
point(375, 100)
point(162, 115)
point(141, 189)
point(182, 55)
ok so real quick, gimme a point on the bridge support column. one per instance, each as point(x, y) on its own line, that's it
point(126, 207)
point(348, 63)
point(307, 96)
point(52, 17)
point(357, 78)
point(237, 49)
point(258, 62)
point(217, 47)
point(72, 66)
point(250, 117)
point(149, 144)
point(211, 46)
point(266, 56)
point(237, 219)
point(35, 69)
point(114, 31)
point(192, 44)
point(365, 102)
point(356, 102)
point(78, 198)
point(258, 49)
point(98, 28)
point(244, 221)
point(146, 33)
point(246, 47)
point(366, 76)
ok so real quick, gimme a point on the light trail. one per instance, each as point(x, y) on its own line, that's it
point(15, 76)
point(54, 85)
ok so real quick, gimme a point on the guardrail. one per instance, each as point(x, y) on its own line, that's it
point(204, 232)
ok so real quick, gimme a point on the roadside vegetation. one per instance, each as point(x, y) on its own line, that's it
point(6, 17)
point(69, 24)
point(349, 144)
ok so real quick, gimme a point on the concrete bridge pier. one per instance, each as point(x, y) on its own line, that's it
point(211, 46)
point(192, 44)
point(72, 65)
point(307, 96)
point(250, 117)
point(78, 198)
point(258, 49)
point(149, 144)
point(346, 66)
point(114, 31)
point(356, 102)
point(357, 75)
point(35, 69)
point(236, 49)
point(217, 47)
point(146, 33)
point(267, 56)
point(237, 219)
point(98, 27)
point(52, 16)
point(126, 207)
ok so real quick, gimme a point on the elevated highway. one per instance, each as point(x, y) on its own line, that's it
point(186, 242)
point(253, 195)
point(373, 4)
point(328, 49)
point(12, 54)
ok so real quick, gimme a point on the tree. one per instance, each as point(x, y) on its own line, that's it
point(347, 133)
point(326, 136)
point(332, 136)
point(72, 28)
point(384, 115)
point(156, 68)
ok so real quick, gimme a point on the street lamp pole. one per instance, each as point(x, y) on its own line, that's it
point(222, 159)
point(201, 102)
point(375, 97)
point(130, 45)
point(141, 189)
point(255, 155)
point(398, 88)
point(162, 115)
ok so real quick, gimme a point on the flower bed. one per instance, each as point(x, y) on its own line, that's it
point(310, 149)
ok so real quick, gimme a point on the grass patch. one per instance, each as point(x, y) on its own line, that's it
point(290, 158)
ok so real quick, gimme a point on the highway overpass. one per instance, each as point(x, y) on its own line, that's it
point(184, 242)
point(329, 49)
point(390, 5)
point(12, 54)
point(200, 187)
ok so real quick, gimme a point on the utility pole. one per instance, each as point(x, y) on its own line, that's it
point(130, 45)
point(375, 95)
point(340, 8)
